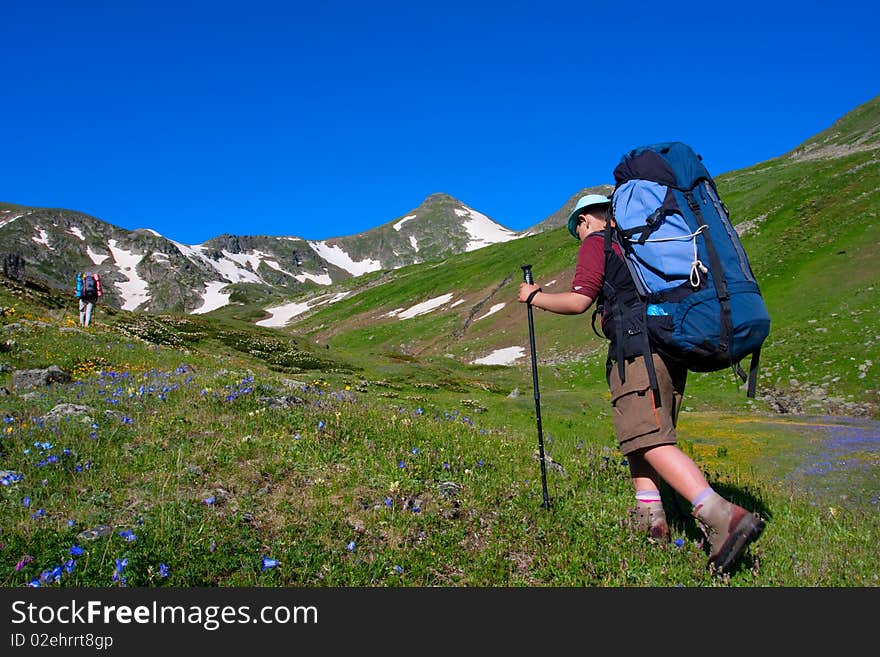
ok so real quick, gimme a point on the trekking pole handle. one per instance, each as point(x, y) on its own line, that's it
point(527, 274)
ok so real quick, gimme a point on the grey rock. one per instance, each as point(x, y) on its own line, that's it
point(66, 409)
point(39, 378)
point(97, 532)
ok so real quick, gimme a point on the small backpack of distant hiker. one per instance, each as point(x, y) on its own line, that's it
point(697, 302)
point(91, 286)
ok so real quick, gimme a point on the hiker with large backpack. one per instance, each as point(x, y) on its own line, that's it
point(647, 367)
point(88, 290)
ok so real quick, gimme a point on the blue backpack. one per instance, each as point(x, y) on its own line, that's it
point(698, 298)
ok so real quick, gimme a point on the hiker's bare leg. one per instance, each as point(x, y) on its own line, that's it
point(677, 469)
point(644, 476)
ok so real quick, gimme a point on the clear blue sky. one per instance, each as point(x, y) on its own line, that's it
point(324, 119)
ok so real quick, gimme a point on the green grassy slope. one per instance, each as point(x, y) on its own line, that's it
point(195, 452)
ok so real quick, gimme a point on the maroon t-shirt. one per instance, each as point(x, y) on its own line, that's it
point(590, 269)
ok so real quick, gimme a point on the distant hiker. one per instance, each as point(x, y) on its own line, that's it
point(645, 430)
point(88, 289)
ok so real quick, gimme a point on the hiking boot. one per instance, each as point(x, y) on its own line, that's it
point(651, 519)
point(729, 529)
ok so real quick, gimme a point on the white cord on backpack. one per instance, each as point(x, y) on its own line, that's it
point(696, 265)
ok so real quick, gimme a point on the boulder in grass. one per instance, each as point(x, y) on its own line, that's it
point(39, 378)
point(60, 411)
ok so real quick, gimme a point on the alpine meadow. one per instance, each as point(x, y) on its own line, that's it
point(385, 435)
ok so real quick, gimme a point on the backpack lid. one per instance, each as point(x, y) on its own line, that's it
point(673, 164)
point(584, 202)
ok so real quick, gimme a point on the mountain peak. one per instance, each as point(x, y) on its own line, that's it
point(439, 198)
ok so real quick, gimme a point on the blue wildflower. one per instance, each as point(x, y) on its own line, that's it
point(69, 565)
point(401, 464)
point(76, 550)
point(388, 502)
point(351, 546)
point(128, 535)
point(415, 450)
point(26, 501)
point(209, 500)
point(679, 542)
point(117, 572)
point(268, 563)
point(398, 569)
point(163, 570)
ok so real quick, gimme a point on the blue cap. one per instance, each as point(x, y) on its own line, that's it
point(584, 202)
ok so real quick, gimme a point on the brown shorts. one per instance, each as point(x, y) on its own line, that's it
point(637, 422)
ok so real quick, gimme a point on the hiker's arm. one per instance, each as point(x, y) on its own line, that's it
point(564, 303)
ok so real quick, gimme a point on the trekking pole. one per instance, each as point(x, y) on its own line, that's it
point(527, 277)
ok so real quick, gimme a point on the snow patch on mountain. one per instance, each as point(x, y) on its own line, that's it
point(336, 256)
point(282, 314)
point(274, 265)
point(425, 306)
point(320, 279)
point(42, 238)
point(96, 257)
point(482, 230)
point(6, 217)
point(505, 356)
point(229, 266)
point(494, 309)
point(135, 291)
point(213, 298)
point(400, 223)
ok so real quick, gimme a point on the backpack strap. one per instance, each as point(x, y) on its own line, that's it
point(717, 276)
point(609, 293)
point(652, 223)
point(753, 373)
point(622, 311)
point(596, 310)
